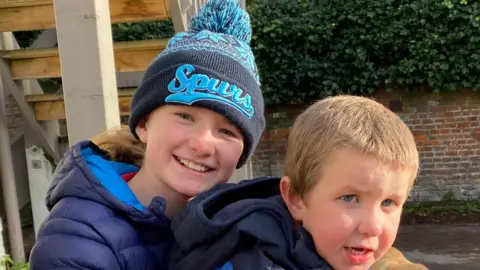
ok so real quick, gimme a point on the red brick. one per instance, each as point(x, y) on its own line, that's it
point(279, 134)
point(442, 126)
point(445, 138)
point(463, 125)
point(451, 153)
point(418, 132)
point(433, 142)
point(421, 138)
point(427, 121)
point(428, 149)
point(438, 108)
point(429, 126)
point(439, 165)
point(476, 134)
point(468, 152)
point(416, 122)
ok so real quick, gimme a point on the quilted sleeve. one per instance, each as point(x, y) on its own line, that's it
point(67, 244)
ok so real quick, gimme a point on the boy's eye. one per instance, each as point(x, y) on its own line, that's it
point(184, 116)
point(388, 202)
point(349, 198)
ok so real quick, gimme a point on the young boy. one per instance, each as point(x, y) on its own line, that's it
point(350, 164)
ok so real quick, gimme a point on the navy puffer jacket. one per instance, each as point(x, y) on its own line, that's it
point(95, 220)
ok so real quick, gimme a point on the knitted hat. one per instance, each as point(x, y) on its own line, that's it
point(209, 66)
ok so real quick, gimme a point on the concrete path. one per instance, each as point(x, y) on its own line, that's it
point(441, 247)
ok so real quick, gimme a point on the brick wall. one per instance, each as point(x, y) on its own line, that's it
point(14, 117)
point(446, 127)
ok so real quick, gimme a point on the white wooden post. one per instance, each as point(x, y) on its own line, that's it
point(40, 173)
point(242, 4)
point(88, 68)
point(9, 187)
point(178, 11)
point(244, 173)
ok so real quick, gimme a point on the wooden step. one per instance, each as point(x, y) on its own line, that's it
point(52, 106)
point(45, 63)
point(24, 15)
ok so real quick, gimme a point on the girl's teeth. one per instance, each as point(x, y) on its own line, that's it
point(193, 166)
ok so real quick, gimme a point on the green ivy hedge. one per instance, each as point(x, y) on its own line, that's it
point(307, 49)
point(120, 32)
point(143, 30)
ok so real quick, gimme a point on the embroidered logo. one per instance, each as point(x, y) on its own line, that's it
point(188, 88)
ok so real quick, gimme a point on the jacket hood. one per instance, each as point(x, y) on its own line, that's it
point(86, 173)
point(219, 223)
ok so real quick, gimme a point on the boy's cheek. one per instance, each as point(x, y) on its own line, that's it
point(387, 238)
point(330, 230)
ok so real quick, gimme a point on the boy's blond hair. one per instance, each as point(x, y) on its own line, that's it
point(121, 146)
point(345, 121)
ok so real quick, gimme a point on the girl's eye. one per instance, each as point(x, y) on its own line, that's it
point(349, 198)
point(388, 202)
point(227, 132)
point(184, 116)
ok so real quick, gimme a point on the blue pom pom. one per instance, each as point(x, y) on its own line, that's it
point(225, 17)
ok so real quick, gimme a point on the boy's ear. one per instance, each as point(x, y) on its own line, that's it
point(141, 130)
point(294, 202)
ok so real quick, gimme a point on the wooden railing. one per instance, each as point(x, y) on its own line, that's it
point(24, 15)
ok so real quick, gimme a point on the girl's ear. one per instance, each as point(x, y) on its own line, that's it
point(142, 131)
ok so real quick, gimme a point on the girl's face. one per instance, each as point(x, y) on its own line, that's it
point(189, 149)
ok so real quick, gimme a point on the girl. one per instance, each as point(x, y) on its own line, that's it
point(196, 116)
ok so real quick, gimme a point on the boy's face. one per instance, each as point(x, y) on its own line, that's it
point(354, 210)
point(189, 149)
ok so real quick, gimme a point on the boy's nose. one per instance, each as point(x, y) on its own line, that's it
point(202, 142)
point(371, 224)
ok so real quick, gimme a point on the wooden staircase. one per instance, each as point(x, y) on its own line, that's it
point(83, 39)
point(21, 68)
point(41, 63)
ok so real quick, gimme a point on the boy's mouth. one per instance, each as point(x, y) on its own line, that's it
point(358, 250)
point(358, 255)
point(192, 165)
